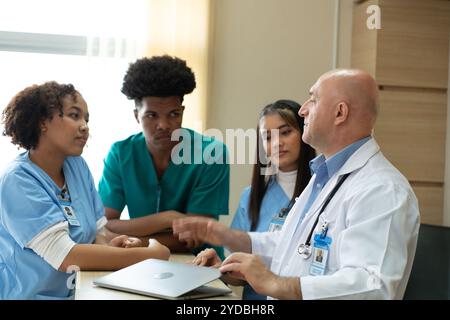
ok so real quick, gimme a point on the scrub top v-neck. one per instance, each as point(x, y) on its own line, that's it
point(130, 179)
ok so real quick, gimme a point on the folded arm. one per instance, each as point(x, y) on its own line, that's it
point(143, 226)
point(156, 226)
point(98, 257)
point(108, 252)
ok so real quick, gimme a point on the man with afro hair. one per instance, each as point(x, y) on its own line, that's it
point(143, 173)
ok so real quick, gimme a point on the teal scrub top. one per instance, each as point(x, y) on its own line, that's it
point(28, 206)
point(273, 201)
point(199, 187)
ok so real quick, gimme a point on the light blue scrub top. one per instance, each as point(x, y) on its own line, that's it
point(28, 206)
point(274, 200)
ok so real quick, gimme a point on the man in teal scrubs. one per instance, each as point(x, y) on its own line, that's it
point(157, 177)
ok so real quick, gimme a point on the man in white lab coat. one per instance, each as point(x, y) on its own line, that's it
point(352, 233)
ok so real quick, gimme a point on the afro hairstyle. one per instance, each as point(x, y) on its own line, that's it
point(159, 76)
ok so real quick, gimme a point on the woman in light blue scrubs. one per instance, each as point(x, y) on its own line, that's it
point(265, 204)
point(51, 218)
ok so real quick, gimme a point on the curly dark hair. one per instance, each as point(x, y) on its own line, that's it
point(159, 76)
point(29, 108)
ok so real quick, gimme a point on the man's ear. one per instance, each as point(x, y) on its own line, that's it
point(341, 113)
point(136, 115)
point(43, 127)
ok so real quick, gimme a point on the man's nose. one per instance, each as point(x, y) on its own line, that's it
point(162, 124)
point(304, 109)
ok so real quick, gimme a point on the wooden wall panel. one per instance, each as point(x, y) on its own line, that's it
point(411, 131)
point(431, 201)
point(408, 57)
point(364, 41)
point(413, 43)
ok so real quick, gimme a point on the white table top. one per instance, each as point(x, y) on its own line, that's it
point(86, 290)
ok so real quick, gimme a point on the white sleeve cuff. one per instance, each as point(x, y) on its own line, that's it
point(347, 283)
point(101, 223)
point(53, 244)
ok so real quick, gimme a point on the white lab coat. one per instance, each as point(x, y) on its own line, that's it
point(373, 222)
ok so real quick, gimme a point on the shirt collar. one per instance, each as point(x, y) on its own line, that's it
point(334, 163)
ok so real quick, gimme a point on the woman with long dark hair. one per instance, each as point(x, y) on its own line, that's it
point(279, 176)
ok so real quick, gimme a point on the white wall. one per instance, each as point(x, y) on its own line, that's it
point(264, 50)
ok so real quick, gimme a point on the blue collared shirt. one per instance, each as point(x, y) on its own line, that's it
point(324, 169)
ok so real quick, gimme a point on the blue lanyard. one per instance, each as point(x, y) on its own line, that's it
point(325, 204)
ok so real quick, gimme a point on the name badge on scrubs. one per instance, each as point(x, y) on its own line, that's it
point(69, 213)
point(320, 254)
point(278, 220)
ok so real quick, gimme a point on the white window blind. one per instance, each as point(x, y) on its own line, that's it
point(86, 43)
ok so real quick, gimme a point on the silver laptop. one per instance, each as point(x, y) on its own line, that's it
point(165, 279)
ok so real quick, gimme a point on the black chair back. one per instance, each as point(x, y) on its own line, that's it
point(430, 274)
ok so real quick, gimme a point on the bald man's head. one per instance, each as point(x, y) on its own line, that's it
point(342, 108)
point(357, 88)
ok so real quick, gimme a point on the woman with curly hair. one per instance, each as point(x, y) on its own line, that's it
point(143, 172)
point(51, 217)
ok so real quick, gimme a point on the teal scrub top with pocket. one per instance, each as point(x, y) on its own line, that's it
point(198, 184)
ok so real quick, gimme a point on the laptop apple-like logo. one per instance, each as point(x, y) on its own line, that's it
point(163, 275)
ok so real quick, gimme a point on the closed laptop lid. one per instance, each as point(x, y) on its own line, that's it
point(159, 278)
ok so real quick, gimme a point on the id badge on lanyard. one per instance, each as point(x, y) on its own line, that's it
point(278, 220)
point(69, 213)
point(320, 252)
point(321, 240)
point(276, 223)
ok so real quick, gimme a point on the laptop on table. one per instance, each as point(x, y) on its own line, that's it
point(165, 279)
